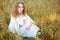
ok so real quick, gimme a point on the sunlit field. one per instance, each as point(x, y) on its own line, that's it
point(45, 13)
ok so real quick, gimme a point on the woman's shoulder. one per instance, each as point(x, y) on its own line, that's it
point(12, 18)
point(27, 15)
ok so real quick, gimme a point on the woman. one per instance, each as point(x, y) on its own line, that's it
point(21, 23)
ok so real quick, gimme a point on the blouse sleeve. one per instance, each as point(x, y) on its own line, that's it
point(29, 18)
point(28, 21)
point(11, 25)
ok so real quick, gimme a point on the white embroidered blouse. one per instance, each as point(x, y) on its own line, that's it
point(21, 19)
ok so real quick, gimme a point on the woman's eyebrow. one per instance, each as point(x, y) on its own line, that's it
point(20, 6)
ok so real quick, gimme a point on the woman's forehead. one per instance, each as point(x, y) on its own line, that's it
point(21, 4)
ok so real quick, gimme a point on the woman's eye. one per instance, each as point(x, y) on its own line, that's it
point(20, 7)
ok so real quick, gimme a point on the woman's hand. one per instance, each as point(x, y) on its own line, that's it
point(27, 27)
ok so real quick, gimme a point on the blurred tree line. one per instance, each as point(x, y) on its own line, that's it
point(45, 13)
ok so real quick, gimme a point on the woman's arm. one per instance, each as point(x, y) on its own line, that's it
point(29, 25)
point(30, 21)
point(11, 25)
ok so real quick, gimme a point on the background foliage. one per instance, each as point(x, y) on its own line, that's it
point(45, 13)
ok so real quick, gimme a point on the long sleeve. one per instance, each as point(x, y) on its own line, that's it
point(13, 25)
point(28, 21)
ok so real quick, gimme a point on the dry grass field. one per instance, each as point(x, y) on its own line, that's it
point(45, 13)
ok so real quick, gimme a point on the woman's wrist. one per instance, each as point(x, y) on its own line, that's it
point(27, 27)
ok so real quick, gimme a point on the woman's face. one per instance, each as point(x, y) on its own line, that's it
point(20, 8)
